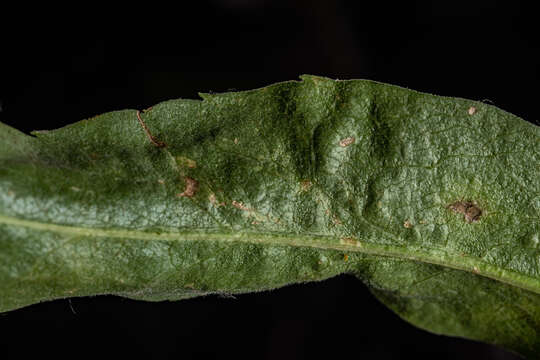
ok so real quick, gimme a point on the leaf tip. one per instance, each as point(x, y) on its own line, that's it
point(205, 96)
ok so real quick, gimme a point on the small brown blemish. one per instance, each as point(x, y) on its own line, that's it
point(347, 141)
point(306, 185)
point(240, 206)
point(235, 141)
point(472, 110)
point(255, 223)
point(161, 181)
point(407, 224)
point(192, 186)
point(475, 270)
point(469, 209)
point(345, 257)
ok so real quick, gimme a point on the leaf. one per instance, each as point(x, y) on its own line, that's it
point(433, 202)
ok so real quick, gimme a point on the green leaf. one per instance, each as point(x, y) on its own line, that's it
point(433, 202)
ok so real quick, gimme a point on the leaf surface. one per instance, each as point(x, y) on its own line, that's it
point(433, 202)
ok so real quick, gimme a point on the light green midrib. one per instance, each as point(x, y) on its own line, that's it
point(432, 256)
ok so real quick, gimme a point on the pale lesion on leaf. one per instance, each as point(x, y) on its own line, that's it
point(256, 217)
point(241, 206)
point(192, 186)
point(214, 201)
point(347, 141)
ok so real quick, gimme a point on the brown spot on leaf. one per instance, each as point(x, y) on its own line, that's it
point(192, 186)
point(472, 110)
point(235, 141)
point(346, 257)
point(240, 206)
point(469, 209)
point(161, 181)
point(346, 142)
point(306, 185)
point(407, 224)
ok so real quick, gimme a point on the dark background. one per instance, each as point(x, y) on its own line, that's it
point(62, 65)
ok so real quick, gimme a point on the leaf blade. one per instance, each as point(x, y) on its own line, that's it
point(294, 182)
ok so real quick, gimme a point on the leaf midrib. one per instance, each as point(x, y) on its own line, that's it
point(432, 256)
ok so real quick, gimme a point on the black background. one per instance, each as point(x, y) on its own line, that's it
point(61, 65)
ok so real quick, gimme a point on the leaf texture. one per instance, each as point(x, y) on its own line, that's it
point(433, 202)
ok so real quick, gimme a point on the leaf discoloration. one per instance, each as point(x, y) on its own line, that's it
point(240, 206)
point(347, 141)
point(470, 210)
point(305, 185)
point(191, 187)
point(214, 201)
point(413, 154)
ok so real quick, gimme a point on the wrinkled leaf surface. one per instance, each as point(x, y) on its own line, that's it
point(433, 202)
